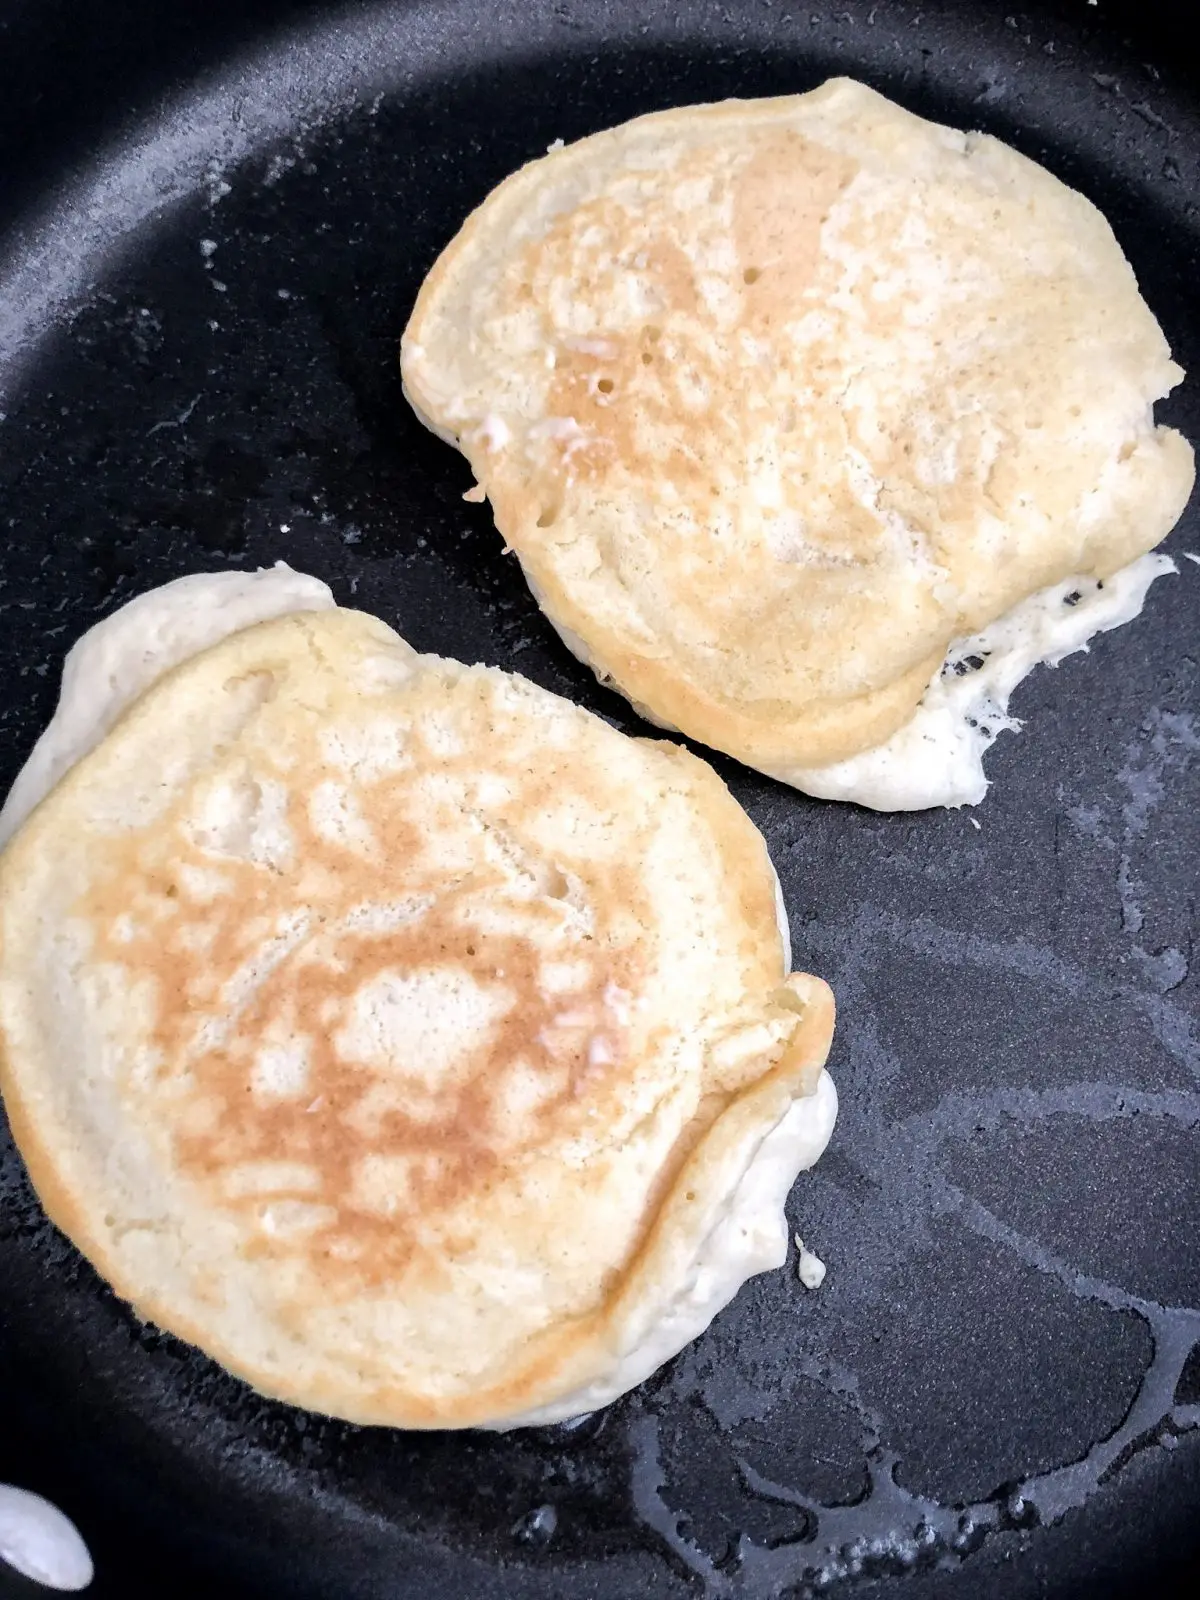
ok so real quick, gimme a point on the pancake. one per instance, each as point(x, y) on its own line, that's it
point(411, 1041)
point(781, 403)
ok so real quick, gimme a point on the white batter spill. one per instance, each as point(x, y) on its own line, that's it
point(936, 759)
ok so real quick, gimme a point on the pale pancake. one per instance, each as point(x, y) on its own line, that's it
point(402, 1035)
point(776, 399)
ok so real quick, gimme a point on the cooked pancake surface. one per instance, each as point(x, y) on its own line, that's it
point(776, 399)
point(360, 1030)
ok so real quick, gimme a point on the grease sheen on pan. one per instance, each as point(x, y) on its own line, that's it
point(411, 1041)
point(775, 400)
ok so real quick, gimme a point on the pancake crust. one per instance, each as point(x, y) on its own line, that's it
point(360, 1030)
point(775, 399)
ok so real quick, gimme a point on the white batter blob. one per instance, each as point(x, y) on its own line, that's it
point(41, 1542)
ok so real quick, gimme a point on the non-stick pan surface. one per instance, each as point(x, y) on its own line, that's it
point(215, 220)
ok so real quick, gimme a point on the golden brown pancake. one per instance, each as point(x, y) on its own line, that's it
point(775, 400)
point(417, 1045)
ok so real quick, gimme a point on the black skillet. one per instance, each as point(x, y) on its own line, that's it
point(992, 1394)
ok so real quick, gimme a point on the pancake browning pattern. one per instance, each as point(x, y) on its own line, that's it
point(360, 1031)
point(775, 400)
